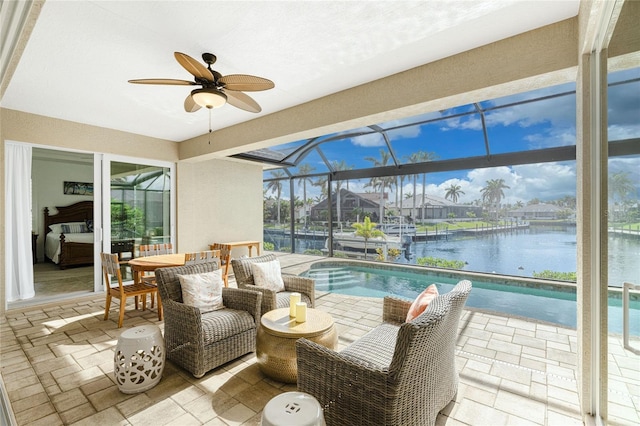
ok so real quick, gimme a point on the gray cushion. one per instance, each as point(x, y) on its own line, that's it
point(376, 347)
point(221, 324)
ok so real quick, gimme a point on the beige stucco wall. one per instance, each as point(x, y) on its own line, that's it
point(218, 201)
point(37, 129)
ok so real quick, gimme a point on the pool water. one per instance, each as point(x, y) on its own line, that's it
point(510, 295)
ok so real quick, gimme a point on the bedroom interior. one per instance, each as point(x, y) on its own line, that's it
point(51, 168)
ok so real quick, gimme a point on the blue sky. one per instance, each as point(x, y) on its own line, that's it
point(522, 127)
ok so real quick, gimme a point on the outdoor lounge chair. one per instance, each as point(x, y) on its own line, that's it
point(201, 341)
point(399, 374)
point(271, 299)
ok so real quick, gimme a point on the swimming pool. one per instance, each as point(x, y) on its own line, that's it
point(541, 300)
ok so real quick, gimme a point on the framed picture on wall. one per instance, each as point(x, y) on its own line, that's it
point(78, 188)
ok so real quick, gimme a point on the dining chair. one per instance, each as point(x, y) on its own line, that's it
point(111, 268)
point(153, 250)
point(202, 257)
point(164, 248)
point(225, 259)
point(147, 250)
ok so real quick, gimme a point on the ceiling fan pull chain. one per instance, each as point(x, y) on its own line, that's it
point(209, 126)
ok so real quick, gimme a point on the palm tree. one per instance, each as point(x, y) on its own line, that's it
point(401, 179)
point(305, 169)
point(420, 157)
point(493, 193)
point(380, 183)
point(357, 212)
point(425, 156)
point(322, 183)
point(414, 158)
point(620, 186)
point(338, 166)
point(367, 230)
point(454, 192)
point(276, 186)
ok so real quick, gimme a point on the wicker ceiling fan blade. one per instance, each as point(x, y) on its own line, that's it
point(242, 101)
point(194, 67)
point(190, 105)
point(246, 83)
point(166, 81)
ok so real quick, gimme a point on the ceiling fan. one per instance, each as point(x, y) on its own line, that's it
point(216, 89)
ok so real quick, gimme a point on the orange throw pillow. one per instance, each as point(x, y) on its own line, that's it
point(422, 301)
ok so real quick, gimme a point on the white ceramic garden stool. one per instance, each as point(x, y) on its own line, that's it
point(293, 408)
point(139, 359)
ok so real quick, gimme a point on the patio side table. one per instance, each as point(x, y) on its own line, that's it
point(293, 408)
point(139, 359)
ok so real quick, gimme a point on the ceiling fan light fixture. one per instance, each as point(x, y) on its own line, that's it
point(209, 98)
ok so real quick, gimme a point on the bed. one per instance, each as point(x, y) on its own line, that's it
point(69, 235)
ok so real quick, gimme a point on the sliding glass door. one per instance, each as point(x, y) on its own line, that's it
point(623, 242)
point(138, 204)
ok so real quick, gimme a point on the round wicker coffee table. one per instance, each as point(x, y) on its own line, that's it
point(276, 341)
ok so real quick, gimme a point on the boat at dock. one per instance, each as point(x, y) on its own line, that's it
point(353, 242)
point(397, 229)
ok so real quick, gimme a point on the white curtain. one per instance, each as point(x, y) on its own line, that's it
point(19, 258)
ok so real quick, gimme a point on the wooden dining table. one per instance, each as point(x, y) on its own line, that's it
point(139, 265)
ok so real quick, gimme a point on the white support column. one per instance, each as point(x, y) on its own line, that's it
point(592, 238)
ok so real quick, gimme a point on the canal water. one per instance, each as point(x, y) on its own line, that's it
point(517, 253)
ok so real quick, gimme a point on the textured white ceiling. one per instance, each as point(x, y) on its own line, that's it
point(81, 53)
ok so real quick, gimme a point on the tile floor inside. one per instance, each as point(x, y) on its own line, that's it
point(57, 367)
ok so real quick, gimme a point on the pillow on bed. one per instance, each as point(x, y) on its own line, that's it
point(69, 228)
point(74, 228)
point(56, 228)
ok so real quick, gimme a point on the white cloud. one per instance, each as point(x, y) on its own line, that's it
point(547, 181)
point(404, 132)
point(619, 132)
point(466, 123)
point(558, 112)
point(368, 141)
point(414, 119)
point(552, 137)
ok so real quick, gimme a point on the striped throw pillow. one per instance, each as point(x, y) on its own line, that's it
point(74, 228)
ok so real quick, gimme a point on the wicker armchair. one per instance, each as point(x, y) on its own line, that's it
point(270, 299)
point(399, 374)
point(200, 342)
